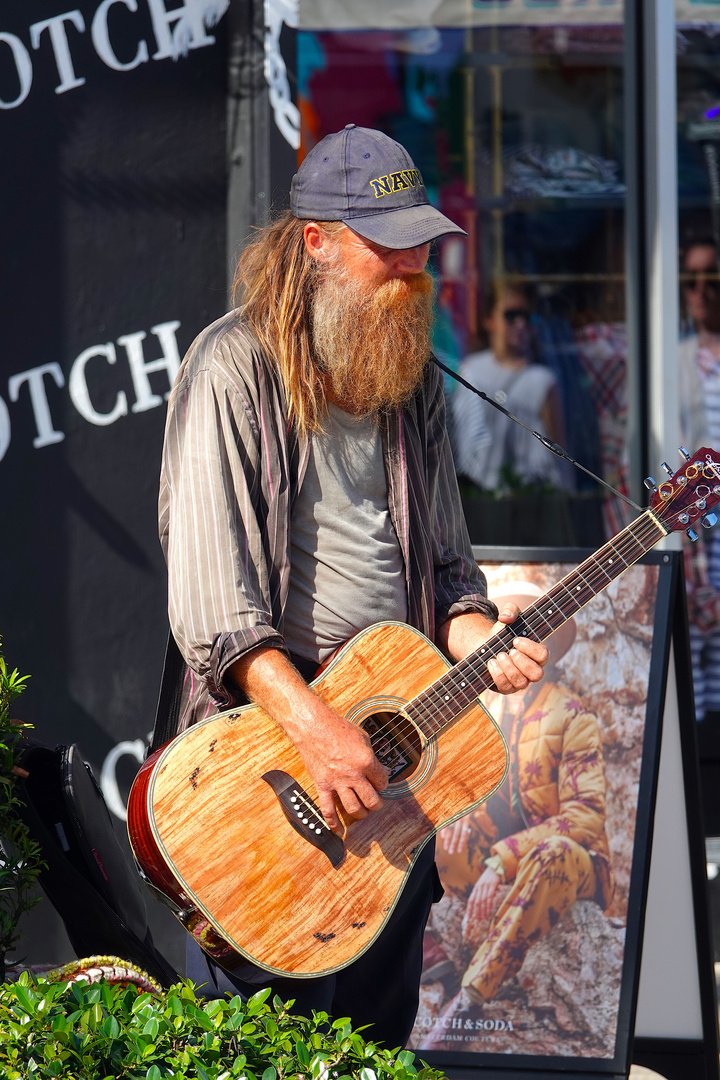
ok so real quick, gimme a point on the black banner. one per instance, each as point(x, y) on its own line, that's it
point(114, 221)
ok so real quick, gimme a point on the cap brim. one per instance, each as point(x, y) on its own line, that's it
point(404, 227)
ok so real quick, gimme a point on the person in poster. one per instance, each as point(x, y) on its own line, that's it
point(537, 844)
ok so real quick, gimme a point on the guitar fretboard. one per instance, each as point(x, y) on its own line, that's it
point(449, 696)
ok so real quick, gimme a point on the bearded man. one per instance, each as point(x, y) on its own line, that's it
point(307, 492)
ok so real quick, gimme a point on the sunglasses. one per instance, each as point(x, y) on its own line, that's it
point(708, 278)
point(513, 315)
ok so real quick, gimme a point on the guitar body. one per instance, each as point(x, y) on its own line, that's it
point(210, 815)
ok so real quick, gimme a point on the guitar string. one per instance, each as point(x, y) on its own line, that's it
point(431, 706)
point(531, 620)
point(425, 705)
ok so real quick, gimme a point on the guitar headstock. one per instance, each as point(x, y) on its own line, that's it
point(687, 497)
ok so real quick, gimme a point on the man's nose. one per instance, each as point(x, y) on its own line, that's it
point(412, 260)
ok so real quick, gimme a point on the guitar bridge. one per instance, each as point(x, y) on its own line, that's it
point(304, 816)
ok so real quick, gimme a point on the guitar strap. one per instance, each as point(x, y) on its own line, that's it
point(167, 713)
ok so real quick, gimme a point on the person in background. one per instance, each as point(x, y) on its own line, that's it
point(699, 377)
point(490, 450)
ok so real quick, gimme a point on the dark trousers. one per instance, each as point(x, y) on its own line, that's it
point(380, 988)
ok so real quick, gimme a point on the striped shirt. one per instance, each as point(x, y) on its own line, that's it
point(232, 466)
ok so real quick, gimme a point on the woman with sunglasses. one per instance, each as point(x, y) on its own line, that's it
point(490, 451)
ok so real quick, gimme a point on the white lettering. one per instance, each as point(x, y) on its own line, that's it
point(61, 49)
point(4, 429)
point(43, 421)
point(108, 779)
point(139, 369)
point(177, 32)
point(23, 64)
point(80, 394)
point(189, 32)
point(286, 113)
point(101, 38)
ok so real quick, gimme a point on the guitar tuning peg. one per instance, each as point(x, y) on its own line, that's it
point(708, 521)
point(692, 535)
point(666, 468)
point(650, 483)
point(683, 453)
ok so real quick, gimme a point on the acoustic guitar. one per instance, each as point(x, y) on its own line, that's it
point(224, 822)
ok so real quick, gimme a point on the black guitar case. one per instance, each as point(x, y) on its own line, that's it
point(89, 879)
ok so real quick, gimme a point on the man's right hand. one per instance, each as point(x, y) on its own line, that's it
point(340, 759)
point(336, 753)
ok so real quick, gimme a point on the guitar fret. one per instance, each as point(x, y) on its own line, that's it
point(462, 688)
point(544, 616)
point(423, 714)
point(452, 694)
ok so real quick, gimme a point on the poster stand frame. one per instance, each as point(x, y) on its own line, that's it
point(689, 1059)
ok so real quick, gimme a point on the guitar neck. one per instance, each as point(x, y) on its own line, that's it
point(449, 696)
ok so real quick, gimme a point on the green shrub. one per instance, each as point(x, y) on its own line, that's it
point(94, 1031)
point(20, 859)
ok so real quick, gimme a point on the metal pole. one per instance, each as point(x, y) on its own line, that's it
point(661, 235)
point(248, 128)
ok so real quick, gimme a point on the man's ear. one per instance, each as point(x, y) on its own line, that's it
point(318, 244)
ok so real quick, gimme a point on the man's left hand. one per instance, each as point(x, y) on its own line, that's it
point(513, 670)
point(523, 664)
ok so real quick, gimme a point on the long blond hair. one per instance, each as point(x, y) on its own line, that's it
point(275, 283)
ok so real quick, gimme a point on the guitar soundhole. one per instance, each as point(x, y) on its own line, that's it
point(396, 743)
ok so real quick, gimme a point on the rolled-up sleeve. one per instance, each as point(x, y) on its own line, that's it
point(223, 488)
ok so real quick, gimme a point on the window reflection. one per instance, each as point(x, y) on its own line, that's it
point(517, 131)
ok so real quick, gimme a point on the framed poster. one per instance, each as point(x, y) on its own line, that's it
point(532, 956)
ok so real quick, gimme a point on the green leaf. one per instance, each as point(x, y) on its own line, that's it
point(27, 998)
point(256, 1003)
point(303, 1054)
point(151, 1028)
point(214, 1007)
point(111, 1027)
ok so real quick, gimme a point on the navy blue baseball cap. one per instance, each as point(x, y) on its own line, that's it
point(365, 179)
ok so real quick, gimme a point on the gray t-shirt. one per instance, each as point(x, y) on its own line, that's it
point(346, 568)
